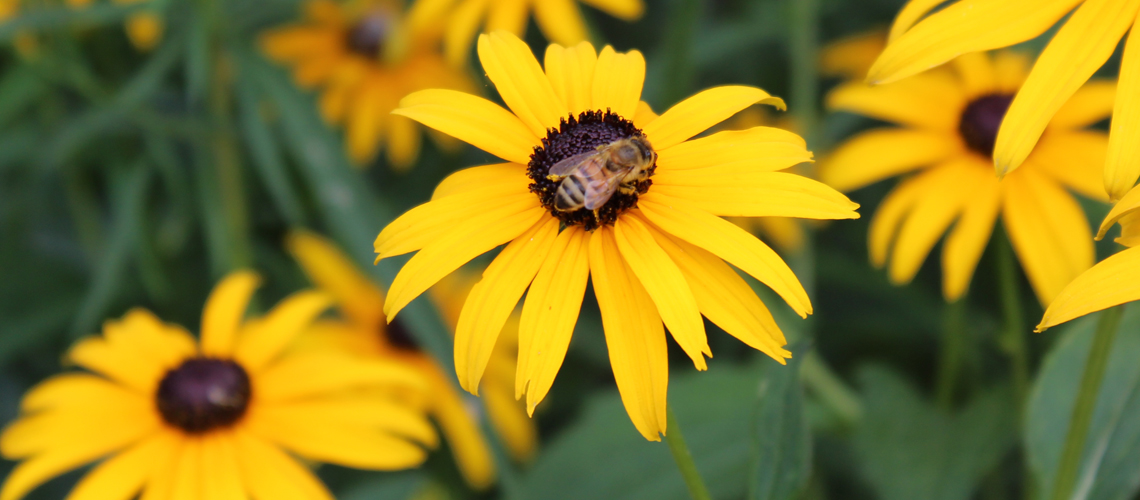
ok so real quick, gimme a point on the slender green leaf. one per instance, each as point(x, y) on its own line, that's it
point(781, 439)
point(266, 155)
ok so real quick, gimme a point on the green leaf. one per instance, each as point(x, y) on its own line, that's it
point(1110, 466)
point(909, 449)
point(781, 439)
point(66, 17)
point(266, 155)
point(386, 486)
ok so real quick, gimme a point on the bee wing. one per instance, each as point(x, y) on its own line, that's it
point(564, 167)
point(598, 193)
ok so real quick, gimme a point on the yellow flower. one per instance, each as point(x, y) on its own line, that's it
point(363, 331)
point(949, 119)
point(654, 248)
point(364, 59)
point(222, 418)
point(850, 57)
point(1084, 42)
point(144, 28)
point(1111, 282)
point(560, 20)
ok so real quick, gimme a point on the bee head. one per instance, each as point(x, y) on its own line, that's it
point(635, 151)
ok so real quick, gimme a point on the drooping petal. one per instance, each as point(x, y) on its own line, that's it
point(1081, 46)
point(618, 79)
point(635, 338)
point(472, 452)
point(666, 285)
point(933, 214)
point(759, 194)
point(366, 122)
point(123, 475)
point(703, 110)
point(221, 475)
point(1113, 281)
point(264, 339)
point(1089, 105)
point(571, 74)
point(549, 315)
point(966, 242)
point(368, 415)
point(911, 13)
point(891, 214)
point(474, 178)
point(268, 472)
point(491, 301)
point(882, 153)
point(930, 101)
point(312, 374)
point(560, 21)
point(403, 142)
point(332, 271)
point(1073, 158)
point(757, 149)
point(474, 120)
point(425, 224)
point(461, 28)
point(1126, 206)
point(224, 311)
point(523, 86)
point(1123, 167)
point(729, 242)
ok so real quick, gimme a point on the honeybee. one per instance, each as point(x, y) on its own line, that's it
point(590, 179)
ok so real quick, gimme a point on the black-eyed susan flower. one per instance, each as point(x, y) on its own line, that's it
point(144, 28)
point(364, 58)
point(655, 249)
point(950, 117)
point(560, 20)
point(223, 418)
point(362, 330)
point(1087, 38)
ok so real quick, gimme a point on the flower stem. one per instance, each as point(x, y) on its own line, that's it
point(685, 464)
point(1012, 339)
point(831, 391)
point(953, 347)
point(804, 43)
point(1091, 380)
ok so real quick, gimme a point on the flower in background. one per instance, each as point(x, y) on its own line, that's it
point(655, 243)
point(950, 118)
point(364, 58)
point(362, 330)
point(215, 419)
point(144, 28)
point(850, 57)
point(560, 20)
point(1083, 43)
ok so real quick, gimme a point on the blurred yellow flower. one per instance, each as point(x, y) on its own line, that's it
point(1086, 39)
point(363, 330)
point(215, 419)
point(850, 57)
point(654, 243)
point(950, 117)
point(364, 58)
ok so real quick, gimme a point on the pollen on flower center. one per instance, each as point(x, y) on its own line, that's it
point(981, 120)
point(203, 394)
point(576, 136)
point(367, 36)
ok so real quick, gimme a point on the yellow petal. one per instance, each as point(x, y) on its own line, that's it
point(425, 224)
point(1081, 46)
point(456, 247)
point(474, 178)
point(932, 214)
point(628, 10)
point(461, 28)
point(268, 472)
point(1048, 230)
point(884, 152)
point(644, 115)
point(725, 298)
point(1089, 105)
point(474, 120)
point(224, 311)
point(221, 476)
point(756, 149)
point(911, 13)
point(618, 79)
point(759, 194)
point(1123, 167)
point(891, 213)
point(72, 390)
point(312, 374)
point(471, 451)
point(1129, 230)
point(635, 338)
point(560, 21)
point(122, 476)
point(1125, 207)
point(366, 414)
point(851, 56)
point(963, 27)
point(699, 112)
point(491, 300)
point(508, 15)
point(549, 314)
point(1075, 159)
point(163, 470)
point(666, 285)
point(1111, 282)
point(334, 272)
point(366, 123)
point(725, 240)
point(931, 101)
point(403, 143)
point(120, 419)
point(188, 480)
point(511, 421)
point(571, 74)
point(516, 74)
point(1011, 69)
point(966, 242)
point(264, 339)
point(135, 351)
point(976, 74)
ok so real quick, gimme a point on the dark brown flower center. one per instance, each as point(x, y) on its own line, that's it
point(204, 394)
point(576, 136)
point(981, 120)
point(399, 337)
point(367, 36)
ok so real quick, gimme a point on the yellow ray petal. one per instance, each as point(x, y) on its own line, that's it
point(403, 143)
point(188, 480)
point(644, 115)
point(965, 26)
point(471, 451)
point(931, 101)
point(628, 10)
point(456, 247)
point(369, 414)
point(1048, 230)
point(122, 476)
point(486, 176)
point(474, 120)
point(221, 477)
point(74, 390)
point(268, 472)
point(120, 419)
point(1011, 69)
point(703, 110)
point(1089, 105)
point(725, 298)
point(571, 74)
point(635, 338)
point(1075, 159)
point(366, 122)
point(725, 240)
point(911, 13)
point(491, 300)
point(425, 224)
point(666, 285)
point(224, 311)
point(1111, 282)
point(119, 364)
point(461, 28)
point(264, 339)
point(342, 444)
point(618, 79)
point(549, 314)
point(1126, 206)
point(306, 375)
point(891, 213)
point(331, 270)
point(511, 422)
point(758, 148)
point(850, 57)
point(976, 73)
point(884, 152)
point(953, 182)
point(141, 332)
point(507, 15)
point(966, 242)
point(1123, 167)
point(1081, 46)
point(560, 21)
point(759, 194)
point(1129, 230)
point(164, 469)
point(516, 74)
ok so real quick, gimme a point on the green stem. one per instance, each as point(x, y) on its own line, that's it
point(684, 15)
point(1086, 402)
point(804, 43)
point(953, 348)
point(831, 391)
point(688, 468)
point(1013, 330)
